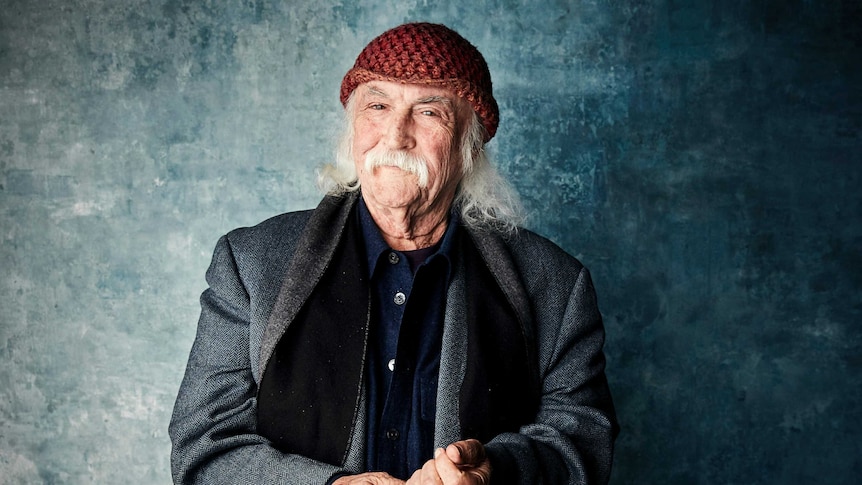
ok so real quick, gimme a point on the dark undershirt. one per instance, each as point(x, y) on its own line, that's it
point(408, 297)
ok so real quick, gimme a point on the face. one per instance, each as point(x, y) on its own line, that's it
point(418, 123)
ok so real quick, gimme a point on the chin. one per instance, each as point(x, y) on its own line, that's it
point(393, 194)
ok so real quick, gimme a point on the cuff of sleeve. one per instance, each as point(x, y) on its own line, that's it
point(336, 477)
point(504, 468)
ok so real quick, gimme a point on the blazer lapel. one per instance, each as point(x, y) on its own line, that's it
point(497, 256)
point(315, 340)
point(464, 408)
point(315, 249)
point(453, 365)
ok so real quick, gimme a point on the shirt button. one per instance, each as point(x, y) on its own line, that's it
point(392, 365)
point(393, 258)
point(392, 434)
point(400, 298)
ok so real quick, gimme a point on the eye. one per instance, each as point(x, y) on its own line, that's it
point(377, 106)
point(428, 112)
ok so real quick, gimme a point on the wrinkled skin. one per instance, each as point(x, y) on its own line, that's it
point(461, 463)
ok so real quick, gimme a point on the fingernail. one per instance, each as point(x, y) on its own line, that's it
point(437, 452)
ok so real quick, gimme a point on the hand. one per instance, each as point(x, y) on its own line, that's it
point(370, 478)
point(461, 463)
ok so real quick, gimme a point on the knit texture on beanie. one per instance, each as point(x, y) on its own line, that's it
point(432, 54)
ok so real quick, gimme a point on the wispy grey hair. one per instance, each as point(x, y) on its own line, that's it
point(485, 199)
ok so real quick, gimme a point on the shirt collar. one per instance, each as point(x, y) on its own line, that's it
point(375, 246)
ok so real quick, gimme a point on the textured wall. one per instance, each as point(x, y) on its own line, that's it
point(703, 158)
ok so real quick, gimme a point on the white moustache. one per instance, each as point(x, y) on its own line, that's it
point(413, 164)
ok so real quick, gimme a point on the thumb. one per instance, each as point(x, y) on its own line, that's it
point(468, 452)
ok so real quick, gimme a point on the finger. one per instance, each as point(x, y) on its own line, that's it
point(369, 478)
point(430, 475)
point(469, 452)
point(481, 474)
point(416, 478)
point(445, 467)
point(454, 453)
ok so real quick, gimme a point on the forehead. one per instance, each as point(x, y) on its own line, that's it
point(410, 92)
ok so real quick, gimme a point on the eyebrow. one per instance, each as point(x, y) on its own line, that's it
point(432, 99)
point(376, 92)
point(435, 99)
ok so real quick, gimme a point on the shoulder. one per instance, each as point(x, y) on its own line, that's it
point(264, 250)
point(539, 258)
point(275, 231)
point(544, 272)
point(282, 232)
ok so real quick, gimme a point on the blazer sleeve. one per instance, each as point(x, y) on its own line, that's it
point(572, 438)
point(213, 427)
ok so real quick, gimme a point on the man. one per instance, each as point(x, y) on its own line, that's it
point(405, 329)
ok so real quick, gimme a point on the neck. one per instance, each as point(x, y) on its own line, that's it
point(404, 229)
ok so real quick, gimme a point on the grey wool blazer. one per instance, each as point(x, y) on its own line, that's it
point(259, 279)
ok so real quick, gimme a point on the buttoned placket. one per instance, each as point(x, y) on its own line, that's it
point(399, 298)
point(394, 425)
point(405, 349)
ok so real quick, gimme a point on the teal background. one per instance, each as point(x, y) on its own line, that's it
point(702, 158)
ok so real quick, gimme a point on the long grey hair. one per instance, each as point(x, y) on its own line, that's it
point(485, 199)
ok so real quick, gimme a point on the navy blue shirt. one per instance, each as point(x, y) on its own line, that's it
point(408, 290)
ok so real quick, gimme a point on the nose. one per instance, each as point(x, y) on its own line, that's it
point(399, 132)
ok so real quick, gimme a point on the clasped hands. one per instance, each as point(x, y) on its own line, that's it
point(461, 463)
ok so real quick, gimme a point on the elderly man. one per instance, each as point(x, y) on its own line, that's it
point(406, 328)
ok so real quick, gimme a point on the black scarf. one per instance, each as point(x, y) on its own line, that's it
point(311, 387)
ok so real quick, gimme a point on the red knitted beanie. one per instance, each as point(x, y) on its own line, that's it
point(433, 54)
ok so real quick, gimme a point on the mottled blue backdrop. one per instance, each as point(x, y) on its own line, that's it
point(703, 158)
